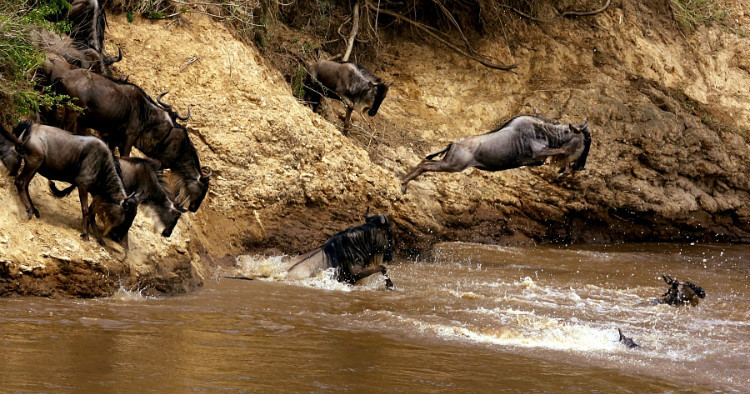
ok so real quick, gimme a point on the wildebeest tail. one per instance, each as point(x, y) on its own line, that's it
point(581, 161)
point(697, 289)
point(60, 193)
point(429, 157)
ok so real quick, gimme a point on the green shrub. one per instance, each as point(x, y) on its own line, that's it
point(19, 56)
point(691, 13)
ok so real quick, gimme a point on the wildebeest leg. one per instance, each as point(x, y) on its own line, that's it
point(347, 120)
point(83, 196)
point(448, 164)
point(22, 185)
point(364, 272)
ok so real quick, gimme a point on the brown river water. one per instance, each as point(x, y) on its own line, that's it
point(474, 319)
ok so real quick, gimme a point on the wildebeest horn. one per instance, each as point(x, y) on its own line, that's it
point(585, 125)
point(206, 173)
point(109, 60)
point(367, 214)
point(186, 116)
point(181, 207)
point(158, 100)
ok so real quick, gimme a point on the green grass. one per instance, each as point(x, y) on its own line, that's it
point(691, 13)
point(20, 57)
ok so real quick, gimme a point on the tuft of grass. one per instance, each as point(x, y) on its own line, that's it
point(19, 56)
point(298, 82)
point(691, 13)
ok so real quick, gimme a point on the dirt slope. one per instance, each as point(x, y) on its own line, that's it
point(669, 158)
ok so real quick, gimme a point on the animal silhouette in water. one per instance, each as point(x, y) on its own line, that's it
point(523, 141)
point(680, 293)
point(628, 342)
point(354, 253)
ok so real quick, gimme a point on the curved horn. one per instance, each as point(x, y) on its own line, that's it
point(158, 100)
point(585, 125)
point(367, 213)
point(186, 117)
point(206, 173)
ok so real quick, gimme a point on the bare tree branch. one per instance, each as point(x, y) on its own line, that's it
point(564, 14)
point(353, 34)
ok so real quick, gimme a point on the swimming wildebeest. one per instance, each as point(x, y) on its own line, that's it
point(351, 83)
point(143, 178)
point(354, 253)
point(523, 141)
point(680, 293)
point(84, 161)
point(125, 116)
point(628, 342)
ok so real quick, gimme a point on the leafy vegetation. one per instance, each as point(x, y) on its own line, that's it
point(19, 56)
point(691, 13)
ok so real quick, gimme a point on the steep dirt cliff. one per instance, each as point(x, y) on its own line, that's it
point(669, 158)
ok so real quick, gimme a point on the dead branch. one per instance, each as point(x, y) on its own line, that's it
point(353, 34)
point(564, 14)
point(430, 32)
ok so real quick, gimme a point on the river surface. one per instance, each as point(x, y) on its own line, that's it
point(475, 319)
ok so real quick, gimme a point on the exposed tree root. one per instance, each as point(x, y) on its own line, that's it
point(565, 14)
point(433, 33)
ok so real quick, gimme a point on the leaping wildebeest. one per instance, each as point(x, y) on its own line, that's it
point(125, 116)
point(354, 253)
point(352, 83)
point(84, 161)
point(523, 141)
point(680, 293)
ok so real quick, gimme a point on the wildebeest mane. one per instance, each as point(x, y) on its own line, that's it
point(358, 244)
point(367, 73)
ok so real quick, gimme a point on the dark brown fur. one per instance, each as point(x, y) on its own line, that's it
point(351, 83)
point(83, 161)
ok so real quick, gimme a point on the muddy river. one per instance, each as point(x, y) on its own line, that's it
point(476, 319)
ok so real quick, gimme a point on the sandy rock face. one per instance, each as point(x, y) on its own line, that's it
point(669, 158)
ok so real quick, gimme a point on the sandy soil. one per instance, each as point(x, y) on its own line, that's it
point(669, 158)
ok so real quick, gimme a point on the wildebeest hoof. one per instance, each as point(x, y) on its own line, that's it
point(403, 190)
point(85, 237)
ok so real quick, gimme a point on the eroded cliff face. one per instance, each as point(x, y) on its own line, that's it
point(669, 158)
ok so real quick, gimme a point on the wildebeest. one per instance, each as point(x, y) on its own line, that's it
point(143, 178)
point(125, 116)
point(84, 161)
point(88, 21)
point(351, 83)
point(523, 141)
point(354, 253)
point(628, 342)
point(680, 293)
point(77, 56)
point(8, 155)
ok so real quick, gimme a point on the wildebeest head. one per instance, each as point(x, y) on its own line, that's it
point(584, 130)
point(9, 156)
point(375, 96)
point(681, 292)
point(145, 177)
point(180, 155)
point(384, 232)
